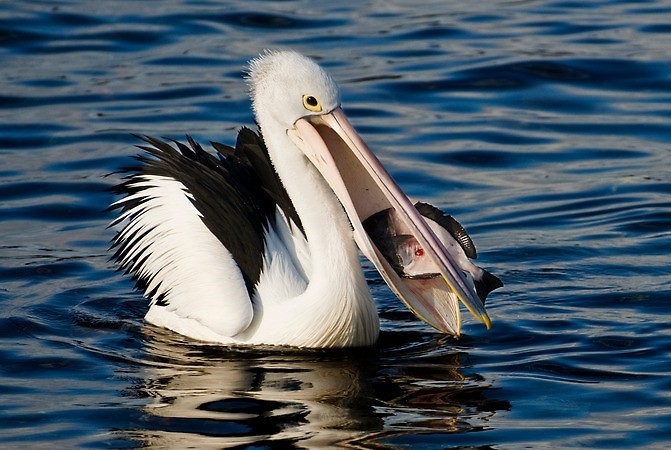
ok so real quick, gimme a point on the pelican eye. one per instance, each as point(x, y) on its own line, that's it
point(311, 103)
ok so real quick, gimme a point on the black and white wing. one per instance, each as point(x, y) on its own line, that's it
point(192, 227)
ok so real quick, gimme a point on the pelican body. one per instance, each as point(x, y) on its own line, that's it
point(258, 245)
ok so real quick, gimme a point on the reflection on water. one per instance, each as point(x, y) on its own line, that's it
point(207, 397)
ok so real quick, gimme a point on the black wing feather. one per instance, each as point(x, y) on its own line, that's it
point(235, 194)
point(252, 153)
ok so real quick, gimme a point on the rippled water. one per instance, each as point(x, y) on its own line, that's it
point(544, 126)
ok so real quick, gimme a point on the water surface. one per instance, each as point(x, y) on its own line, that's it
point(543, 126)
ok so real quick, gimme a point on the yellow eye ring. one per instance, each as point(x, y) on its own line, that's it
point(311, 103)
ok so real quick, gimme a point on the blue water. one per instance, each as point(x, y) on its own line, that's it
point(543, 126)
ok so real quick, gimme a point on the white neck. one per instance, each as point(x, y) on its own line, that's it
point(337, 294)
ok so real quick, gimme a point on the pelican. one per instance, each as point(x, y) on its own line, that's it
point(258, 245)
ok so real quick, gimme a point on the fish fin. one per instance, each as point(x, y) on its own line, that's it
point(486, 284)
point(451, 226)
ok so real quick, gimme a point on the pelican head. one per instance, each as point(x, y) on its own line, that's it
point(289, 86)
point(296, 98)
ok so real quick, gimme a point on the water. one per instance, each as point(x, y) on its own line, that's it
point(543, 126)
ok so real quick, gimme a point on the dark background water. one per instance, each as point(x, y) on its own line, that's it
point(543, 126)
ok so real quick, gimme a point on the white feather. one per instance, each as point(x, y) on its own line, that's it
point(195, 274)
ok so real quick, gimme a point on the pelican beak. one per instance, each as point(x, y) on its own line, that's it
point(365, 188)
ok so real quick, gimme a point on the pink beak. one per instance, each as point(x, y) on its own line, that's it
point(364, 188)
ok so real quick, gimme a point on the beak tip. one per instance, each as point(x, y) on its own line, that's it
point(476, 308)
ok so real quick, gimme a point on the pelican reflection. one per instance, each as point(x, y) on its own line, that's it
point(205, 397)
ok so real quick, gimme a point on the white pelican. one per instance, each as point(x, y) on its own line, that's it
point(257, 246)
